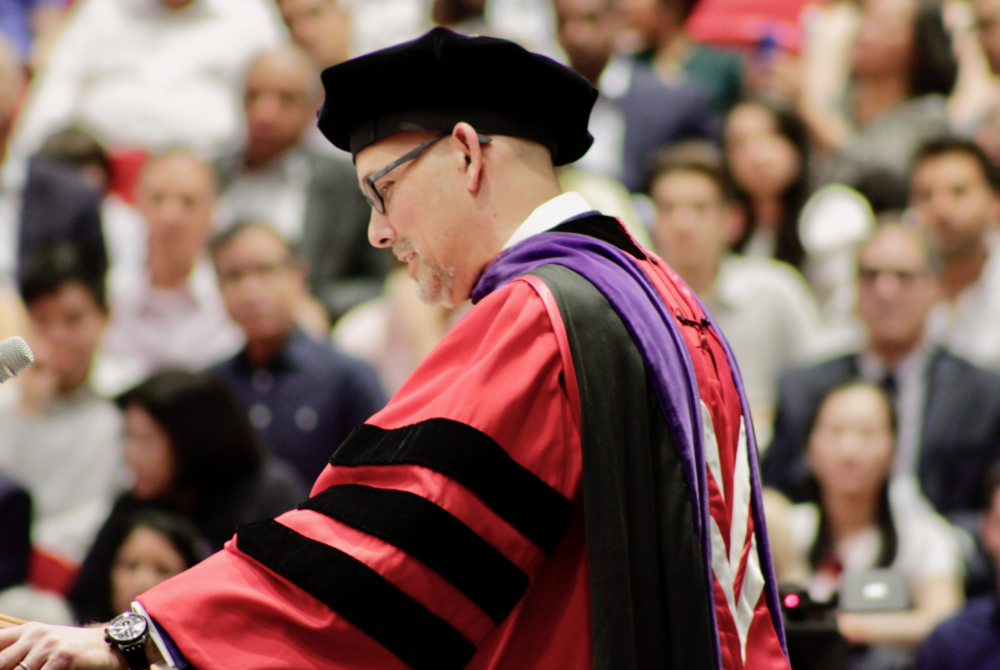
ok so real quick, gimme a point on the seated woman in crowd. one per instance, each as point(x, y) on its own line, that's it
point(902, 69)
point(155, 546)
point(192, 452)
point(854, 525)
point(767, 154)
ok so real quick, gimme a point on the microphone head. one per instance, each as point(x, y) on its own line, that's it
point(15, 356)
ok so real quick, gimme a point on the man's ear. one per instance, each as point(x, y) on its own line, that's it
point(465, 139)
point(736, 223)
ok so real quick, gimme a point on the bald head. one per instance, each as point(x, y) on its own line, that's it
point(280, 100)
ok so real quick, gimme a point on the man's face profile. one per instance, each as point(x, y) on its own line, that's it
point(421, 222)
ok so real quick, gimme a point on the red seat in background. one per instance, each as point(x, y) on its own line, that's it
point(744, 23)
point(126, 167)
point(48, 572)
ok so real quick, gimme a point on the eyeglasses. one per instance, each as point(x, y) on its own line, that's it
point(262, 271)
point(904, 278)
point(372, 193)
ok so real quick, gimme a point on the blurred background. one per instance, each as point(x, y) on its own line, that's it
point(188, 258)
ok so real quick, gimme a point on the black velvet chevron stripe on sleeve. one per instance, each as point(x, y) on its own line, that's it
point(475, 460)
point(380, 609)
point(431, 535)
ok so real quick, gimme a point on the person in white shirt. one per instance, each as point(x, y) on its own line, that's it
point(150, 74)
point(763, 306)
point(167, 311)
point(61, 440)
point(953, 186)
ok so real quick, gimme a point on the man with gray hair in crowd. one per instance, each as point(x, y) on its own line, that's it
point(948, 409)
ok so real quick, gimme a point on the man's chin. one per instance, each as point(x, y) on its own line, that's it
point(434, 295)
point(435, 284)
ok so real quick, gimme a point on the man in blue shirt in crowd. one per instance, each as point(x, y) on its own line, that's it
point(971, 639)
point(301, 395)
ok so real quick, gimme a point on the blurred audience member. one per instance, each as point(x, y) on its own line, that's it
point(395, 332)
point(987, 14)
point(17, 598)
point(32, 27)
point(191, 452)
point(954, 188)
point(636, 113)
point(851, 523)
point(311, 198)
point(57, 204)
point(902, 69)
point(167, 311)
point(320, 28)
point(949, 410)
point(986, 125)
point(61, 440)
point(15, 529)
point(464, 16)
point(377, 24)
point(608, 195)
point(302, 396)
point(763, 307)
point(124, 229)
point(152, 546)
point(153, 74)
point(530, 23)
point(767, 152)
point(971, 639)
point(48, 202)
point(678, 59)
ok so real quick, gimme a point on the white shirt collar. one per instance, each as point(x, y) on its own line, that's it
point(549, 215)
point(874, 370)
point(616, 79)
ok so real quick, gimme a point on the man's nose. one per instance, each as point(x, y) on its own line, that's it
point(380, 232)
point(887, 284)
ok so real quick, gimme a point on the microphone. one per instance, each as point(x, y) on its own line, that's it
point(15, 356)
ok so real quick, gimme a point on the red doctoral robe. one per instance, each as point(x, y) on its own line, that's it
point(329, 586)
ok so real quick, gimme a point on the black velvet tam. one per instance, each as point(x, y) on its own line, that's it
point(444, 78)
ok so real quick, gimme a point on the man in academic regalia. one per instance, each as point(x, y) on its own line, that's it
point(568, 481)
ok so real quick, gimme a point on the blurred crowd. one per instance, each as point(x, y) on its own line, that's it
point(189, 260)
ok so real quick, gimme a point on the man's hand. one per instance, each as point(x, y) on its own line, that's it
point(43, 647)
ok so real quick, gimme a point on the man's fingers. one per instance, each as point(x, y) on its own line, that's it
point(14, 653)
point(39, 659)
point(9, 636)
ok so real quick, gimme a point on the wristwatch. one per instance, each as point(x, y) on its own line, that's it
point(127, 633)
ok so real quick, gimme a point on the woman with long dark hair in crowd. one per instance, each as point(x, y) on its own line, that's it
point(902, 69)
point(191, 452)
point(153, 546)
point(767, 154)
point(854, 524)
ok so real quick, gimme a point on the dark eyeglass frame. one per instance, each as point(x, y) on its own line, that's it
point(369, 189)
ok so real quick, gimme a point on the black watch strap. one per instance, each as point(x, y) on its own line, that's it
point(135, 656)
